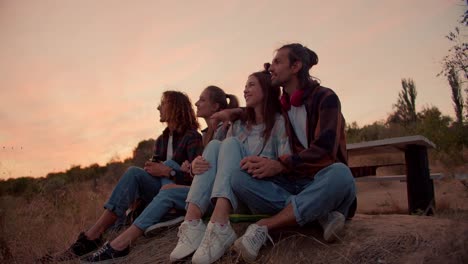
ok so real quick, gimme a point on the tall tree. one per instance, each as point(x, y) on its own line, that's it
point(457, 58)
point(405, 108)
point(458, 53)
point(457, 96)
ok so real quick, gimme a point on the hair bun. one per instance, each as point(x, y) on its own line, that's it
point(312, 57)
point(266, 67)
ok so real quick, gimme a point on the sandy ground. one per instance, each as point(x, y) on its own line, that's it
point(388, 197)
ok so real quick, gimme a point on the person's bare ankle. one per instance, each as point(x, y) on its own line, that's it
point(116, 245)
point(91, 236)
point(262, 222)
point(219, 220)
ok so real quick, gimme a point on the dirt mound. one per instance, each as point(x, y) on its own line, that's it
point(368, 239)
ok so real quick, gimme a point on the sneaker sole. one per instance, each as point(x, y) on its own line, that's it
point(334, 229)
point(155, 229)
point(243, 252)
point(108, 261)
point(71, 257)
point(181, 259)
point(216, 257)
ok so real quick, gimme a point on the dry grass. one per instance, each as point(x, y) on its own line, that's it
point(47, 222)
point(50, 222)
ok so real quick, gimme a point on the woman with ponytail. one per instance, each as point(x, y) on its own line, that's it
point(212, 100)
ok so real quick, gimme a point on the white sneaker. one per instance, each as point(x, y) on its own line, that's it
point(189, 239)
point(214, 243)
point(333, 225)
point(250, 243)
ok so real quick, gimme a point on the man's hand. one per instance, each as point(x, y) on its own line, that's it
point(157, 169)
point(260, 167)
point(200, 165)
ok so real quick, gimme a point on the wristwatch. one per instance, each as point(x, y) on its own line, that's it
point(172, 173)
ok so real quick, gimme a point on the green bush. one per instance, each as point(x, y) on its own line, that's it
point(450, 138)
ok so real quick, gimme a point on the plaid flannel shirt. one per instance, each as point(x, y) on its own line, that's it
point(186, 146)
point(325, 134)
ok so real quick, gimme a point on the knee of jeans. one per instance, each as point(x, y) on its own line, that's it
point(213, 144)
point(133, 171)
point(238, 181)
point(212, 147)
point(342, 169)
point(231, 142)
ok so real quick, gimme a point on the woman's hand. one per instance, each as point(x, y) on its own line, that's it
point(185, 167)
point(260, 167)
point(200, 165)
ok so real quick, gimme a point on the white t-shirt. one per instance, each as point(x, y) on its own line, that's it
point(254, 139)
point(298, 117)
point(170, 151)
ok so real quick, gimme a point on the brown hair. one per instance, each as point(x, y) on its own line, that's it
point(218, 96)
point(271, 102)
point(180, 111)
point(308, 58)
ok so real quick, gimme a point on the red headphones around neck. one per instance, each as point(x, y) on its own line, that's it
point(295, 100)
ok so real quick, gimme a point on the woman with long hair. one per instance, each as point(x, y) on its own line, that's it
point(260, 132)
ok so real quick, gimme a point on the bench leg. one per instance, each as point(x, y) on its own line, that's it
point(420, 186)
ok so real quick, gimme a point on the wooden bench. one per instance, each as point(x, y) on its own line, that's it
point(419, 182)
point(401, 178)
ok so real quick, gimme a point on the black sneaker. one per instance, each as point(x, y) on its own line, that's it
point(106, 254)
point(165, 223)
point(82, 247)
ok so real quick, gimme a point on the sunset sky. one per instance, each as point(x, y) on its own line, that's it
point(80, 80)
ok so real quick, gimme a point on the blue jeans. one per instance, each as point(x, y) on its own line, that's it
point(160, 205)
point(135, 184)
point(224, 158)
point(332, 189)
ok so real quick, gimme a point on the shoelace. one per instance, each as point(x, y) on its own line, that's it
point(182, 234)
point(208, 240)
point(100, 251)
point(258, 238)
